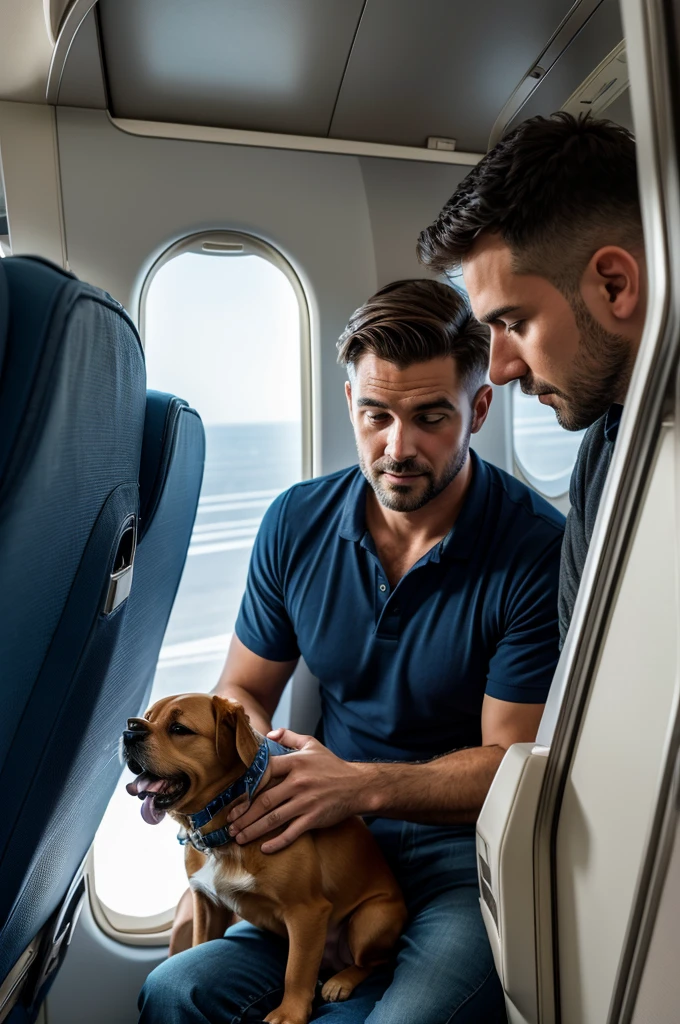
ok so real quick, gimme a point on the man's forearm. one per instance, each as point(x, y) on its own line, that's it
point(449, 790)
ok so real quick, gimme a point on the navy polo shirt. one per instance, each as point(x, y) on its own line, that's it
point(403, 671)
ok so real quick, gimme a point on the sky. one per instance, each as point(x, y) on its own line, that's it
point(223, 332)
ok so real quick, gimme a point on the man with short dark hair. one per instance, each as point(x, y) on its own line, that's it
point(547, 228)
point(420, 587)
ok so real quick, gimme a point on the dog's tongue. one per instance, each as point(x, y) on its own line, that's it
point(151, 815)
point(145, 787)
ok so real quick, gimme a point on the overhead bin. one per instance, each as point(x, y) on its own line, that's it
point(383, 71)
point(438, 68)
point(273, 66)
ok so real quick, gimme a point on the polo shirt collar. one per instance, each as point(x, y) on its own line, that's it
point(353, 518)
point(459, 542)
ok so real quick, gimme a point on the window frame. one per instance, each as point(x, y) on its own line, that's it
point(155, 930)
point(232, 245)
point(124, 928)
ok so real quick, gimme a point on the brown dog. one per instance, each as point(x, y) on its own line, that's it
point(191, 749)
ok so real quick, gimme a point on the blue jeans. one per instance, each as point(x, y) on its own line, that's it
point(443, 970)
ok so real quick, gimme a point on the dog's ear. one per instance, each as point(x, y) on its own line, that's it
point(232, 728)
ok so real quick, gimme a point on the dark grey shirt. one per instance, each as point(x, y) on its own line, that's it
point(585, 491)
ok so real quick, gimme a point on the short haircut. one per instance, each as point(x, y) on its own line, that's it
point(410, 322)
point(556, 189)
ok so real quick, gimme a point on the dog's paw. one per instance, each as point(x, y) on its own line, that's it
point(341, 985)
point(288, 1015)
point(336, 990)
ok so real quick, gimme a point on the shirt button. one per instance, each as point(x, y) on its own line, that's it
point(382, 587)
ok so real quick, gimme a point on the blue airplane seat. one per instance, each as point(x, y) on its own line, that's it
point(88, 575)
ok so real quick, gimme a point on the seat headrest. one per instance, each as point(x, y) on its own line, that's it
point(160, 429)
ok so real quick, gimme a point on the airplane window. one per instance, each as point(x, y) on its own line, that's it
point(544, 451)
point(224, 332)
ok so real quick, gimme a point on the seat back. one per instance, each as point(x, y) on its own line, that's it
point(72, 403)
point(78, 645)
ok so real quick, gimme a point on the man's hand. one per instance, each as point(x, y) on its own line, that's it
point(317, 789)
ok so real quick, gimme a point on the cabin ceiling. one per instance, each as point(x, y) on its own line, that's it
point(389, 71)
point(381, 71)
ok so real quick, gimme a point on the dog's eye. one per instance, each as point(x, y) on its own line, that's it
point(180, 730)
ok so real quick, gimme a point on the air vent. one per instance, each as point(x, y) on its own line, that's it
point(603, 86)
point(488, 898)
point(485, 887)
point(485, 870)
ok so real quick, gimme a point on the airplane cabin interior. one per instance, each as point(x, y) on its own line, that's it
point(206, 191)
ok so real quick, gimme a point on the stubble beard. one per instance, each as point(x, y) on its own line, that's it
point(406, 497)
point(600, 375)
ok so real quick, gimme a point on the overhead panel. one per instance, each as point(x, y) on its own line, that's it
point(439, 67)
point(597, 38)
point(265, 65)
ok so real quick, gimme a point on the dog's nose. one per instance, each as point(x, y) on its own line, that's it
point(137, 729)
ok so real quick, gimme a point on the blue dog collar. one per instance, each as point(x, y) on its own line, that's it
point(246, 783)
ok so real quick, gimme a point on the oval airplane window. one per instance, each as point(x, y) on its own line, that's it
point(225, 326)
point(544, 451)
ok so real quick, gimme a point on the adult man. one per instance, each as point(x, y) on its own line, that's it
point(420, 587)
point(547, 228)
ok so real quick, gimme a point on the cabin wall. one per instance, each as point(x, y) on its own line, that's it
point(347, 224)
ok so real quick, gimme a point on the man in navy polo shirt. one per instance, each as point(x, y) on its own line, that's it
point(421, 589)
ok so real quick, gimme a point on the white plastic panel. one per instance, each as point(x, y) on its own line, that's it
point(25, 50)
point(505, 830)
point(100, 979)
point(658, 997)
point(28, 149)
point(610, 793)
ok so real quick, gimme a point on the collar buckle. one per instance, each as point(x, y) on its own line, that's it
point(197, 841)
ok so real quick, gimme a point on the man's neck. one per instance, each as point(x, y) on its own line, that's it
point(401, 538)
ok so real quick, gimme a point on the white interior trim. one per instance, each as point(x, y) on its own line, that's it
point(30, 164)
point(132, 931)
point(271, 140)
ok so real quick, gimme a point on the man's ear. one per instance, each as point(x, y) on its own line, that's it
point(348, 396)
point(480, 407)
point(613, 287)
point(232, 728)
